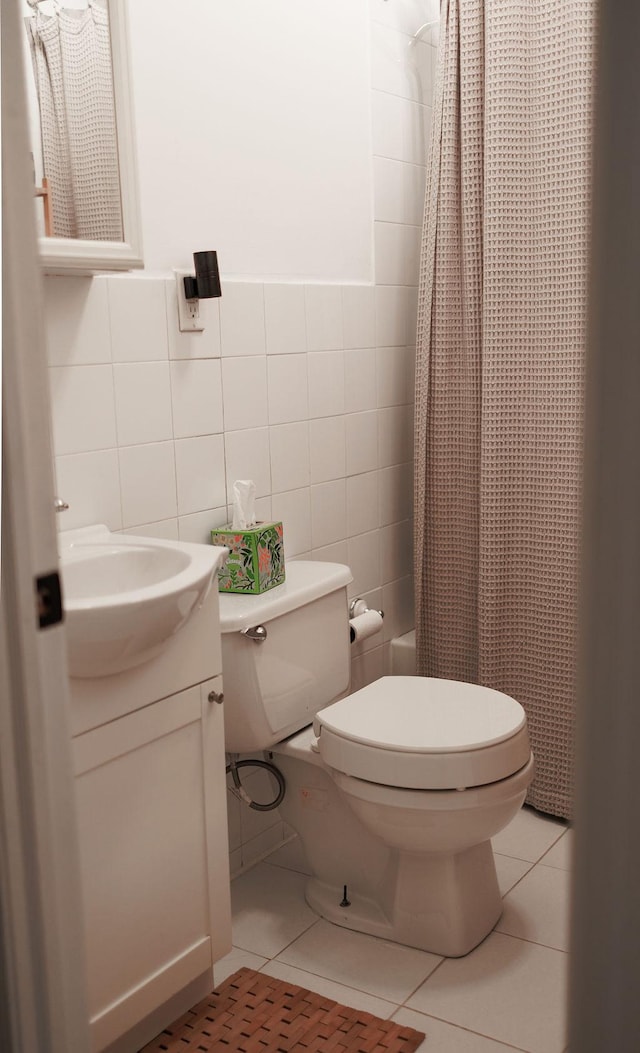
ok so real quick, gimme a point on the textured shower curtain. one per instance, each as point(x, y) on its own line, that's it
point(71, 54)
point(500, 362)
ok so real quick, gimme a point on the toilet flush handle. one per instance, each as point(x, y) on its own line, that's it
point(257, 633)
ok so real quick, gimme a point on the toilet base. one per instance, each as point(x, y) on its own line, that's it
point(445, 904)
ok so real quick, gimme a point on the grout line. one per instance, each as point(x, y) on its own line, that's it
point(339, 983)
point(423, 982)
point(461, 1027)
point(524, 939)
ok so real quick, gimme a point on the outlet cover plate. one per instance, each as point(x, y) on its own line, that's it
point(189, 320)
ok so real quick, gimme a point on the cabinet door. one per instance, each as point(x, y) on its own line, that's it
point(153, 843)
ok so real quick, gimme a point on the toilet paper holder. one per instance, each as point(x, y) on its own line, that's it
point(357, 607)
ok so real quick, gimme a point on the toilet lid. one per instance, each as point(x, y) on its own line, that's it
point(423, 732)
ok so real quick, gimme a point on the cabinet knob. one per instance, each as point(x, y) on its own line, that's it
point(215, 696)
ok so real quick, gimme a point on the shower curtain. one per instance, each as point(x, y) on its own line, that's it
point(500, 362)
point(71, 54)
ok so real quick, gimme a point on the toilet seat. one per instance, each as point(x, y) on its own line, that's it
point(424, 733)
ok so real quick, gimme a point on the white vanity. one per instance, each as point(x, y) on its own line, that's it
point(148, 746)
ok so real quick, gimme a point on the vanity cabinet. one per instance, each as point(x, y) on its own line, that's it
point(151, 803)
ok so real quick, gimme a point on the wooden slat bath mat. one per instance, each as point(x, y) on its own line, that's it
point(254, 1013)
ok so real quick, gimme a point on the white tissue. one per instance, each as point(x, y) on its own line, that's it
point(244, 502)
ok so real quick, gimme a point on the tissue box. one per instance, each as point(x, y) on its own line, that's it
point(256, 561)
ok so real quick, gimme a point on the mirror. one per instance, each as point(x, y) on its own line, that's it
point(82, 142)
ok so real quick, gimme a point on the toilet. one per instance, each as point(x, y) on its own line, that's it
point(396, 790)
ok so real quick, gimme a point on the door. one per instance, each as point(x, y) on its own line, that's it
point(42, 974)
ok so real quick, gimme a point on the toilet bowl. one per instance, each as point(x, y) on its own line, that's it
point(395, 790)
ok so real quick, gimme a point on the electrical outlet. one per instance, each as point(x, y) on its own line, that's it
point(189, 320)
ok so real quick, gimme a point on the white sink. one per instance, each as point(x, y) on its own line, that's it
point(125, 597)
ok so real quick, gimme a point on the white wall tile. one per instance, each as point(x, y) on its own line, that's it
point(395, 435)
point(398, 191)
point(200, 474)
point(138, 312)
point(410, 368)
point(244, 392)
point(364, 560)
point(263, 510)
point(166, 529)
point(396, 551)
point(358, 315)
point(285, 322)
point(388, 190)
point(360, 392)
point(83, 408)
point(398, 607)
point(205, 344)
point(328, 513)
point(427, 123)
point(90, 484)
point(326, 383)
point(336, 553)
point(362, 442)
point(324, 317)
point(197, 527)
point(287, 388)
point(400, 65)
point(196, 396)
point(392, 375)
point(413, 180)
point(294, 510)
point(143, 402)
point(386, 128)
point(327, 449)
point(242, 319)
point(362, 503)
point(247, 456)
point(406, 16)
point(411, 315)
point(366, 668)
point(399, 128)
point(396, 254)
point(76, 313)
point(392, 308)
point(148, 483)
point(289, 456)
point(396, 493)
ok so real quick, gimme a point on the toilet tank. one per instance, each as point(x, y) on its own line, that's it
point(275, 683)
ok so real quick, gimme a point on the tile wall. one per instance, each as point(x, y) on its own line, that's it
point(306, 388)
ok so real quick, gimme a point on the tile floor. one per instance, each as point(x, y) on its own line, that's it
point(509, 993)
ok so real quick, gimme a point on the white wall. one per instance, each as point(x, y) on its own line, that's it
point(254, 135)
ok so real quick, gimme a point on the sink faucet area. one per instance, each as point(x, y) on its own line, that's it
point(125, 597)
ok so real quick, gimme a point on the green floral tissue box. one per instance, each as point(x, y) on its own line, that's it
point(256, 560)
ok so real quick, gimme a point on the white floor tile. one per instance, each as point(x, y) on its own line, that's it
point(560, 854)
point(446, 1038)
point(340, 993)
point(386, 970)
point(509, 871)
point(538, 908)
point(291, 856)
point(234, 960)
point(528, 836)
point(269, 909)
point(507, 989)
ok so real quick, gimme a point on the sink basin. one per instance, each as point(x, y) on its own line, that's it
point(125, 597)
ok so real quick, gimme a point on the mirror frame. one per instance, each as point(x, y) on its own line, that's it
point(81, 256)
